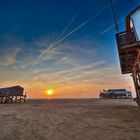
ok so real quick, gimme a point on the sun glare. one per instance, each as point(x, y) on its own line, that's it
point(50, 92)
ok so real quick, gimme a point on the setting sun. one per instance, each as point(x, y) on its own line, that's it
point(50, 92)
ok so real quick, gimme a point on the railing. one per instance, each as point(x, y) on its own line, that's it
point(125, 38)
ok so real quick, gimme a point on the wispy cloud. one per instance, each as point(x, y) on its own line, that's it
point(9, 57)
point(53, 54)
point(57, 42)
point(70, 53)
point(66, 60)
point(86, 67)
point(88, 78)
point(65, 73)
point(52, 45)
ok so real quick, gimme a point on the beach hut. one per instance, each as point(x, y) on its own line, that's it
point(12, 94)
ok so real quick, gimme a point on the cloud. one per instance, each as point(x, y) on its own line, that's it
point(9, 57)
point(60, 40)
point(43, 75)
point(83, 79)
point(52, 54)
point(86, 67)
point(70, 53)
point(68, 60)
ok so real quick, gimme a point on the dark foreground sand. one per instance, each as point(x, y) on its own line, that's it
point(88, 119)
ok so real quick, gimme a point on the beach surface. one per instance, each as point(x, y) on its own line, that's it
point(71, 119)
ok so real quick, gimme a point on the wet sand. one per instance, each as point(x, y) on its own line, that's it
point(80, 119)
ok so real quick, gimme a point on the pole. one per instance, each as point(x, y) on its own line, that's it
point(115, 20)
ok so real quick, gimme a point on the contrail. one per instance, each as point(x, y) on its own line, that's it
point(57, 39)
point(73, 31)
point(67, 27)
point(109, 28)
point(43, 53)
point(80, 26)
point(83, 24)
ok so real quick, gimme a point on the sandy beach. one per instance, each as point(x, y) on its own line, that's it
point(68, 119)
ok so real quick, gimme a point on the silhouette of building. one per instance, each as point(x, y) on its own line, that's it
point(14, 94)
point(115, 94)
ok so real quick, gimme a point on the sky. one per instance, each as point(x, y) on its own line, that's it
point(65, 45)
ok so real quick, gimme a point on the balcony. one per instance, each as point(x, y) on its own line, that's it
point(126, 40)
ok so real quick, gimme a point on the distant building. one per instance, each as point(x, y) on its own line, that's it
point(14, 94)
point(115, 94)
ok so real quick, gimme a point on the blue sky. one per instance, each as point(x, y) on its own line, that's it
point(68, 45)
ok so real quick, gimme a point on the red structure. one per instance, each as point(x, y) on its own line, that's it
point(129, 51)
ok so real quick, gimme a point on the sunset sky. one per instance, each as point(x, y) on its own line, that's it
point(65, 45)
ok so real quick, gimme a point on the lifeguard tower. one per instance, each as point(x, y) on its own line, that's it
point(128, 43)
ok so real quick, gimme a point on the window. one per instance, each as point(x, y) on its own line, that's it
point(136, 24)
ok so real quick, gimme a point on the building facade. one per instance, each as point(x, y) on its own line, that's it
point(115, 94)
